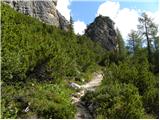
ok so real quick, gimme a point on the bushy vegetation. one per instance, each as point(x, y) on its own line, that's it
point(39, 60)
point(130, 88)
point(30, 46)
point(116, 100)
point(42, 99)
point(34, 50)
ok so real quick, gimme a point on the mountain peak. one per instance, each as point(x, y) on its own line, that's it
point(45, 11)
point(102, 31)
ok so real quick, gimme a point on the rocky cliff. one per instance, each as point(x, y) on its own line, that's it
point(45, 11)
point(102, 31)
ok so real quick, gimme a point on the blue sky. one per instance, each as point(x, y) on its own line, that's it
point(86, 10)
point(124, 13)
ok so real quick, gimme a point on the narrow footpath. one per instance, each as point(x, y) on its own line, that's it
point(82, 111)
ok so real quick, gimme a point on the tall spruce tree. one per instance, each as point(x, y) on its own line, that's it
point(71, 25)
point(121, 44)
point(148, 29)
point(134, 41)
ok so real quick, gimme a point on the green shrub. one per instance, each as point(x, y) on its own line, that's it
point(123, 82)
point(151, 101)
point(44, 101)
point(31, 47)
point(117, 101)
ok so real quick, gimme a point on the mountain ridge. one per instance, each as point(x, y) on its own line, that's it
point(45, 11)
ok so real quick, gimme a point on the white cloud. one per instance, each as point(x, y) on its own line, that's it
point(109, 8)
point(125, 19)
point(157, 19)
point(62, 7)
point(79, 27)
point(155, 16)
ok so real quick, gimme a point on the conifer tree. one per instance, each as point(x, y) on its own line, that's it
point(121, 44)
point(134, 41)
point(148, 29)
point(71, 24)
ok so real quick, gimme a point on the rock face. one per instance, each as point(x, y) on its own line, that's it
point(102, 31)
point(45, 11)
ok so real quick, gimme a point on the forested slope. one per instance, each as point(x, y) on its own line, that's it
point(38, 61)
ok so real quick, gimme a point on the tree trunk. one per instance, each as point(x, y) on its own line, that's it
point(148, 43)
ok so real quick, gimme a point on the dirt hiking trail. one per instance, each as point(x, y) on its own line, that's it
point(82, 111)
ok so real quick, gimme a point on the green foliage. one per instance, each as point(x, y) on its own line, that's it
point(121, 45)
point(155, 56)
point(32, 48)
point(137, 72)
point(44, 101)
point(116, 100)
point(71, 25)
point(134, 41)
point(149, 30)
point(151, 101)
point(129, 90)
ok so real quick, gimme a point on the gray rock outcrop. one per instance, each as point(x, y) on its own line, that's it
point(45, 11)
point(102, 31)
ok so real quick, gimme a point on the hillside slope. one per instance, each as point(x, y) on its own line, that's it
point(38, 61)
point(41, 64)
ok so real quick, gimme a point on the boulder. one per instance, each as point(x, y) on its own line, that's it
point(74, 85)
